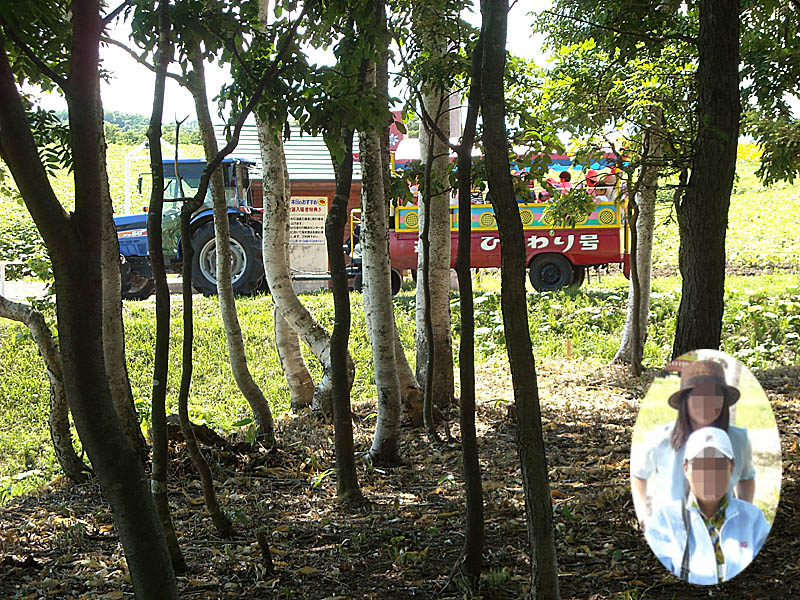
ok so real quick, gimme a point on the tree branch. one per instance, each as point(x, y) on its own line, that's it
point(235, 51)
point(110, 16)
point(644, 36)
point(140, 58)
point(271, 72)
point(21, 154)
point(423, 113)
point(27, 51)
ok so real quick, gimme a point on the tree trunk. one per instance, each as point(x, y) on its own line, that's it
point(222, 238)
point(221, 521)
point(160, 438)
point(301, 386)
point(424, 290)
point(347, 489)
point(703, 213)
point(410, 391)
point(58, 418)
point(645, 226)
point(113, 329)
point(474, 534)
point(378, 310)
point(74, 243)
point(436, 276)
point(533, 461)
point(276, 262)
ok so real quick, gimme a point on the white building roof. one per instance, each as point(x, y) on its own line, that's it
point(307, 156)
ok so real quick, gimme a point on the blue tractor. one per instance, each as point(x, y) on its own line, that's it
point(247, 265)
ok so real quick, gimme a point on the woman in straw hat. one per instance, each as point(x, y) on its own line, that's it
point(703, 400)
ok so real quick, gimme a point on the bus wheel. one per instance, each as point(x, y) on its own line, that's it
point(578, 276)
point(397, 281)
point(550, 272)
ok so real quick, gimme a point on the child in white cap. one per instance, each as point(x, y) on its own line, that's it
point(711, 536)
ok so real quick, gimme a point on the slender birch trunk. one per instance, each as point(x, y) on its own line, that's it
point(276, 263)
point(377, 282)
point(301, 386)
point(410, 390)
point(222, 235)
point(58, 417)
point(436, 277)
point(423, 279)
point(645, 226)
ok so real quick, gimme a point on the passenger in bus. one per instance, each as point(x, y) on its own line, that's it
point(414, 187)
point(563, 184)
point(605, 190)
point(591, 180)
point(565, 181)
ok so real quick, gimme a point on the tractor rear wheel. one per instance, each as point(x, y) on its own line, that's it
point(247, 268)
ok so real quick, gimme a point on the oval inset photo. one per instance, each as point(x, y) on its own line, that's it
point(705, 467)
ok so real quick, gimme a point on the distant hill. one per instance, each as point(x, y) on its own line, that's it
point(130, 129)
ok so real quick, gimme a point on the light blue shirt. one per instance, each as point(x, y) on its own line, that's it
point(741, 536)
point(662, 466)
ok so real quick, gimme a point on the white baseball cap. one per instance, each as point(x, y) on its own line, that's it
point(708, 437)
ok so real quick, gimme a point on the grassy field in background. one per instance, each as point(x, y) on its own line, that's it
point(591, 318)
point(762, 222)
point(761, 325)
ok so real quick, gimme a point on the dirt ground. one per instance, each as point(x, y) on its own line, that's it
point(60, 542)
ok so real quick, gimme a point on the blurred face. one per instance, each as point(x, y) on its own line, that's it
point(705, 404)
point(709, 475)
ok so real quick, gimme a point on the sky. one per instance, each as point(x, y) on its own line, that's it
point(130, 88)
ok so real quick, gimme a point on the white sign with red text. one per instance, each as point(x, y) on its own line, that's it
point(308, 255)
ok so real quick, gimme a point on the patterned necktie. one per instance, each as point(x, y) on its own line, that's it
point(714, 525)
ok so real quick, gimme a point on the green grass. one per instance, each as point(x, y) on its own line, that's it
point(215, 399)
point(26, 453)
point(762, 223)
point(761, 324)
point(592, 318)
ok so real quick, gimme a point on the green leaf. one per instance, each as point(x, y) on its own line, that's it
point(567, 513)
